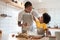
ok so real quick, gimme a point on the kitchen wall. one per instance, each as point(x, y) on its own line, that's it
point(55, 14)
point(9, 24)
point(53, 9)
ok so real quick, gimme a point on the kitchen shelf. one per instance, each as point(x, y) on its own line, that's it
point(18, 5)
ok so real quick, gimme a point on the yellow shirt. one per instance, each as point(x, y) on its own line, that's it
point(41, 25)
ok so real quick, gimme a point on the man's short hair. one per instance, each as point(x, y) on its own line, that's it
point(27, 4)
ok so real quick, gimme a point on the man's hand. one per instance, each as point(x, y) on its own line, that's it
point(19, 23)
point(25, 24)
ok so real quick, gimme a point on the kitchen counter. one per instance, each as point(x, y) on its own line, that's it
point(53, 30)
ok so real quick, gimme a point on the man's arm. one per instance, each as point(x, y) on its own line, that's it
point(19, 19)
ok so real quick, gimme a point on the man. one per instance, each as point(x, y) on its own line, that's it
point(27, 10)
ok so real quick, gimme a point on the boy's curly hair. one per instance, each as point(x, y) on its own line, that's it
point(46, 18)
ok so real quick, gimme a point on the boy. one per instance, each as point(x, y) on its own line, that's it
point(41, 24)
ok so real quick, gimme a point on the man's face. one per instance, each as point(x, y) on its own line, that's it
point(28, 9)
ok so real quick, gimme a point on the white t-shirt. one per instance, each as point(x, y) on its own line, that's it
point(35, 14)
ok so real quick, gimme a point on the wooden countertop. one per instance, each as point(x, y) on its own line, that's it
point(44, 38)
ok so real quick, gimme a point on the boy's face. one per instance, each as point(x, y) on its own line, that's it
point(28, 9)
point(41, 19)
